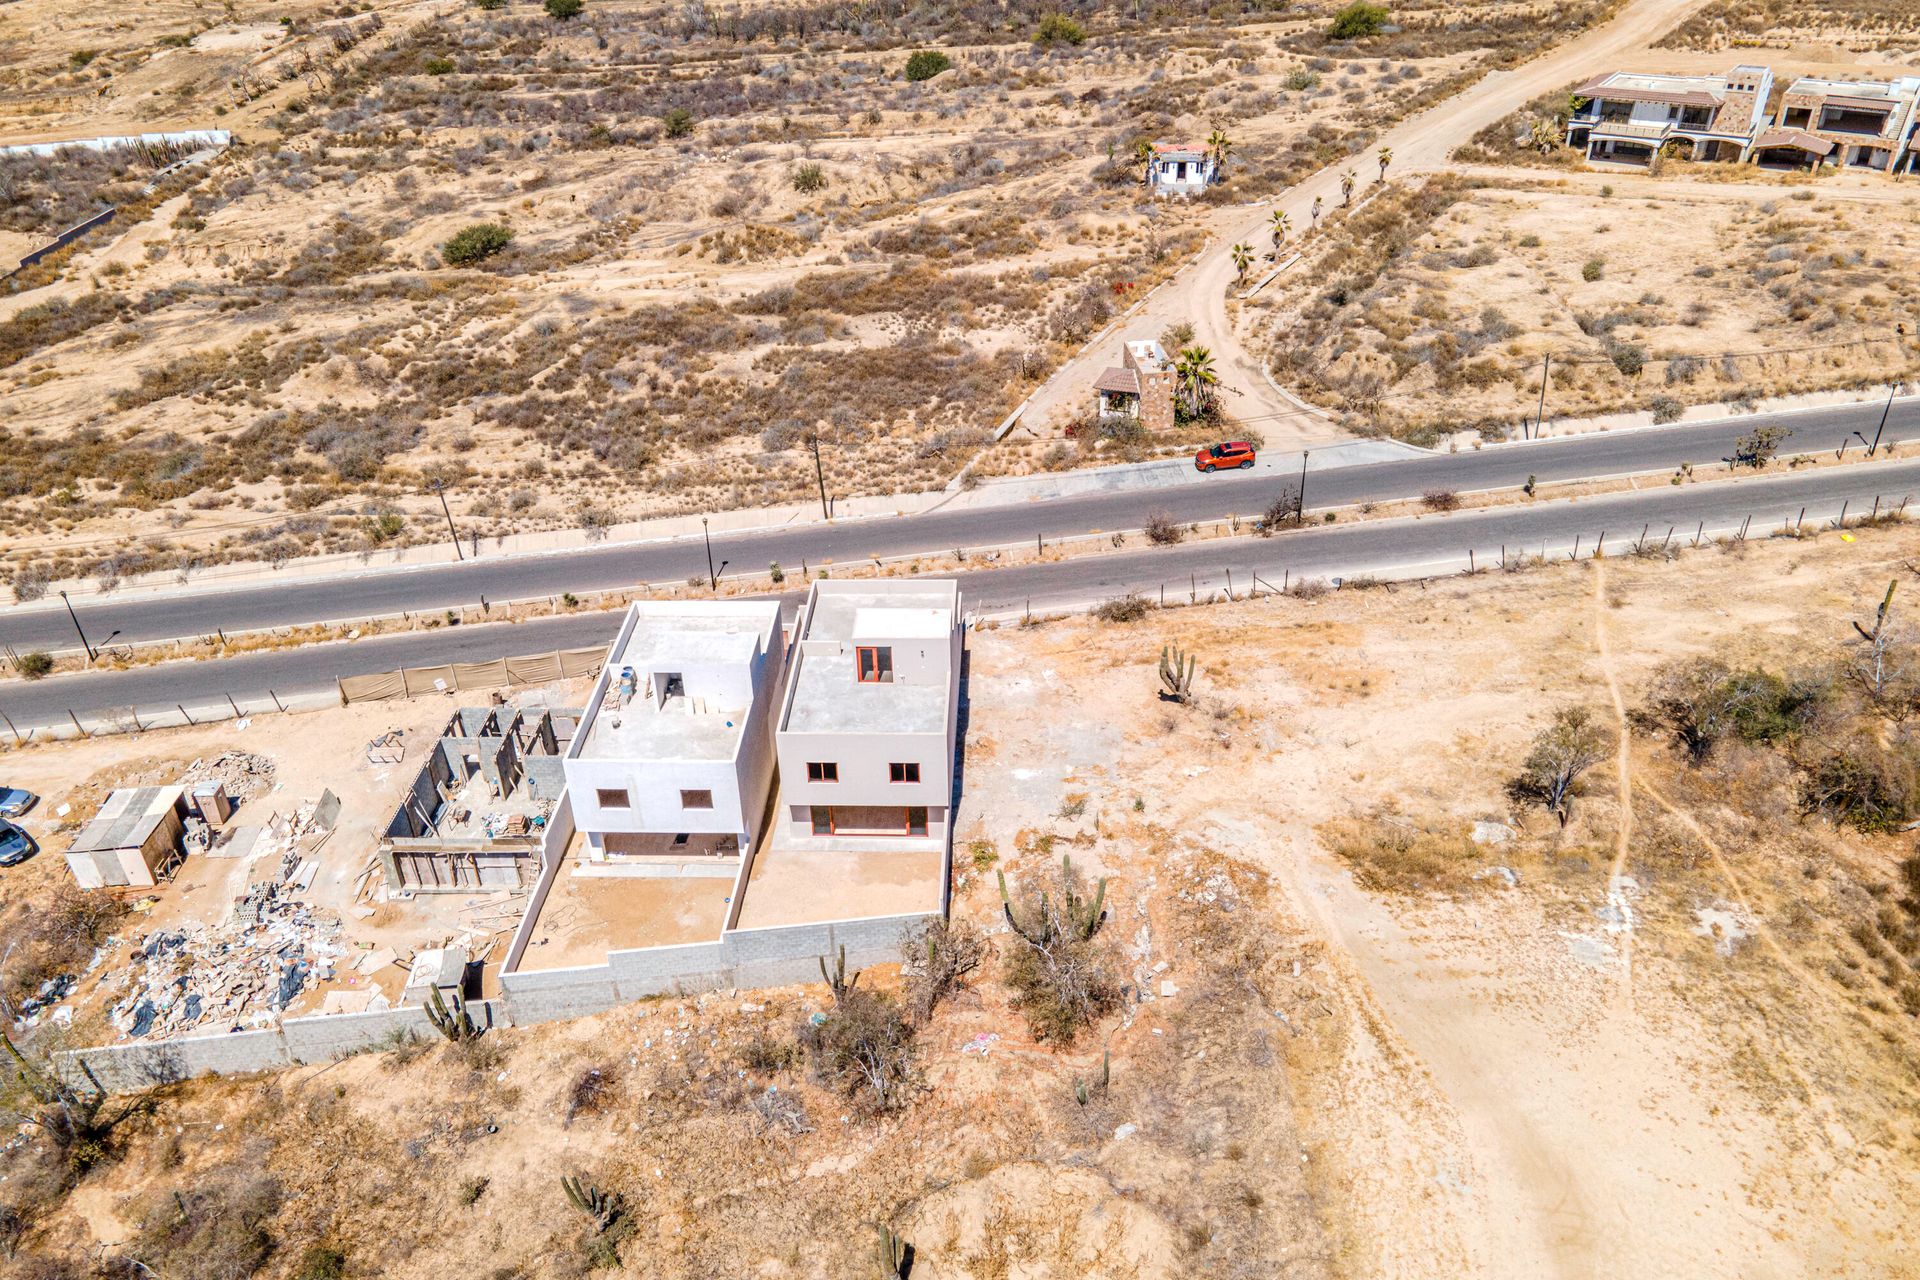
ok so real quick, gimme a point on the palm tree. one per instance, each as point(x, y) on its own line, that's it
point(1346, 187)
point(1195, 379)
point(1279, 220)
point(1143, 156)
point(1317, 202)
point(1385, 158)
point(1219, 143)
point(1242, 259)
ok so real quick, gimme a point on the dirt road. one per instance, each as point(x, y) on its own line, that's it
point(1199, 294)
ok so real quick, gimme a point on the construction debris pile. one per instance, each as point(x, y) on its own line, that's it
point(239, 974)
point(247, 969)
point(241, 774)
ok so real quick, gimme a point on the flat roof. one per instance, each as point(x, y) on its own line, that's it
point(894, 623)
point(126, 819)
point(666, 636)
point(827, 695)
point(1695, 91)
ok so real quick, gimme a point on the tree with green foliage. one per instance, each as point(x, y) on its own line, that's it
point(809, 178)
point(1195, 381)
point(1564, 750)
point(564, 9)
point(475, 244)
point(678, 122)
point(1358, 20)
point(926, 64)
point(1058, 28)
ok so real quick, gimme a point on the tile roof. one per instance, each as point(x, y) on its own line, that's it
point(1794, 138)
point(1116, 379)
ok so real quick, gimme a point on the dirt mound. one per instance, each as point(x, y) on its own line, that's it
point(1027, 1221)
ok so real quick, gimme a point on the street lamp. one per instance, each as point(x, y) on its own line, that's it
point(453, 535)
point(92, 653)
point(819, 474)
point(713, 574)
point(1303, 484)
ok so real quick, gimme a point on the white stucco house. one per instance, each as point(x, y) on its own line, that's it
point(866, 731)
point(673, 757)
point(1181, 169)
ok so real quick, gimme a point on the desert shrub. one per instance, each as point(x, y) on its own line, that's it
point(1758, 447)
point(1358, 20)
point(591, 1091)
point(438, 66)
point(475, 243)
point(36, 664)
point(564, 9)
point(1283, 510)
point(1701, 701)
point(1573, 743)
point(321, 1262)
point(1058, 28)
point(809, 178)
point(935, 960)
point(1394, 854)
point(1627, 357)
point(1059, 969)
point(863, 1049)
point(1667, 409)
point(490, 5)
point(1861, 782)
point(1593, 270)
point(926, 64)
point(213, 1229)
point(678, 122)
point(1130, 607)
point(1163, 530)
point(1440, 500)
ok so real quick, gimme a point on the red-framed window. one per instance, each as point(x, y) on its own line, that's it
point(904, 771)
point(823, 771)
point(875, 663)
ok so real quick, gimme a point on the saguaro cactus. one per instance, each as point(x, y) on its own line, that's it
point(837, 978)
point(455, 1023)
point(605, 1208)
point(893, 1255)
point(1176, 673)
point(1076, 917)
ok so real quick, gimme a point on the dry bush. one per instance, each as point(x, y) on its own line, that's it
point(863, 1049)
point(1060, 968)
point(935, 961)
point(1394, 854)
point(1440, 500)
point(1163, 530)
point(592, 1091)
point(1130, 607)
point(215, 1228)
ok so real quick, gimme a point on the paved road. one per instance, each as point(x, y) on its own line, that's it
point(1437, 544)
point(430, 587)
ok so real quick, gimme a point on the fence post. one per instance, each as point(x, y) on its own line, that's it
point(1229, 584)
point(1842, 522)
point(135, 713)
point(1575, 555)
point(76, 724)
point(183, 712)
point(276, 702)
point(9, 720)
point(234, 705)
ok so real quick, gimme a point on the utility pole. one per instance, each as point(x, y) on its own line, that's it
point(713, 575)
point(91, 652)
point(1891, 392)
point(1540, 415)
point(1303, 485)
point(820, 474)
point(453, 535)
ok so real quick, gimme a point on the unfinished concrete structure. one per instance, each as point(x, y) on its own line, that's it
point(1851, 124)
point(866, 739)
point(136, 838)
point(474, 815)
point(674, 756)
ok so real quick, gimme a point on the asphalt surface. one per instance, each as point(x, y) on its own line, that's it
point(1435, 544)
point(432, 587)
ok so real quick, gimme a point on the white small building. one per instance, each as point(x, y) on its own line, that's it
point(867, 723)
point(1181, 169)
point(674, 754)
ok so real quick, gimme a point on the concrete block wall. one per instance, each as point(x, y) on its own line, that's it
point(744, 958)
point(549, 995)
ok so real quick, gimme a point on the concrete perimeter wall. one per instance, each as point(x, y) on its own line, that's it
point(742, 958)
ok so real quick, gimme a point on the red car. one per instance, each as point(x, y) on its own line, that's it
point(1235, 454)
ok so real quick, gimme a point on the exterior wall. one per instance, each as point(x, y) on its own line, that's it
point(1166, 180)
point(653, 789)
point(863, 760)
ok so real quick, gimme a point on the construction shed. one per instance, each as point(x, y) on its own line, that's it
point(136, 839)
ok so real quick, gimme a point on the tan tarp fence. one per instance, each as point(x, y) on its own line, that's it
point(539, 668)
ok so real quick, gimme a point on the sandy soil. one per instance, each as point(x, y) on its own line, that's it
point(312, 752)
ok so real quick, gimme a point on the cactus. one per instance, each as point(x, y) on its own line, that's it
point(1082, 1090)
point(893, 1255)
point(838, 979)
point(456, 1024)
point(605, 1208)
point(1176, 673)
point(1077, 918)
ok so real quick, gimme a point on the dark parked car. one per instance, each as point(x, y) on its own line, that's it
point(14, 801)
point(16, 846)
